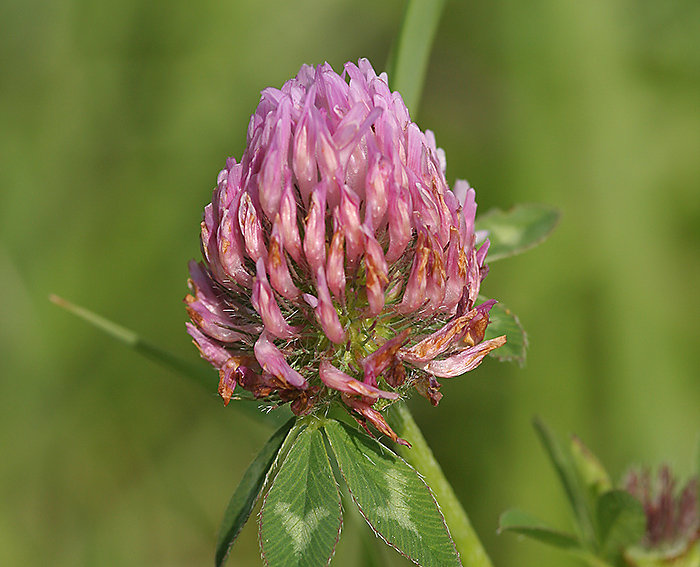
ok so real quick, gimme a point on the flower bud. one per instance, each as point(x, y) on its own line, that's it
point(673, 520)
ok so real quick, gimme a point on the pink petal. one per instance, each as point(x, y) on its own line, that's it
point(232, 372)
point(335, 269)
point(264, 302)
point(315, 237)
point(377, 272)
point(374, 417)
point(463, 362)
point(288, 223)
point(382, 358)
point(435, 285)
point(441, 340)
point(325, 311)
point(414, 295)
point(349, 215)
point(210, 350)
point(304, 155)
point(456, 271)
point(273, 362)
point(251, 228)
point(271, 179)
point(206, 310)
point(399, 217)
point(277, 267)
point(326, 153)
point(338, 380)
point(377, 191)
point(230, 248)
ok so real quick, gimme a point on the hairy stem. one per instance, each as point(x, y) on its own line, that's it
point(421, 458)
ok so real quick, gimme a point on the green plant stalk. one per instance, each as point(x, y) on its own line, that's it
point(408, 62)
point(196, 371)
point(421, 458)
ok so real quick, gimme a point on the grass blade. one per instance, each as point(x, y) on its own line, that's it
point(202, 374)
point(409, 62)
point(522, 523)
point(247, 493)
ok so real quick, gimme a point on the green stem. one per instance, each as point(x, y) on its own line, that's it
point(198, 372)
point(421, 458)
point(408, 63)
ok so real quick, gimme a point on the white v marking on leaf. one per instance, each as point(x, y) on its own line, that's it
point(397, 507)
point(298, 528)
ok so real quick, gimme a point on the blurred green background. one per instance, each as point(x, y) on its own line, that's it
point(115, 118)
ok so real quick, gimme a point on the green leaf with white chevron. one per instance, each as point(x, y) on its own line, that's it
point(301, 516)
point(392, 497)
point(246, 495)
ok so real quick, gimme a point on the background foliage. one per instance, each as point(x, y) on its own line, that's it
point(115, 117)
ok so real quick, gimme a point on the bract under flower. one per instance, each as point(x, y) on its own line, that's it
point(338, 263)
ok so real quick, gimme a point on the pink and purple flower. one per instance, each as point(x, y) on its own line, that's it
point(338, 265)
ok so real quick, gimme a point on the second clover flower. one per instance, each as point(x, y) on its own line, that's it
point(338, 262)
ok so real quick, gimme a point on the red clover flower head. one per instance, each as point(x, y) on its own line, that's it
point(338, 262)
point(673, 516)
